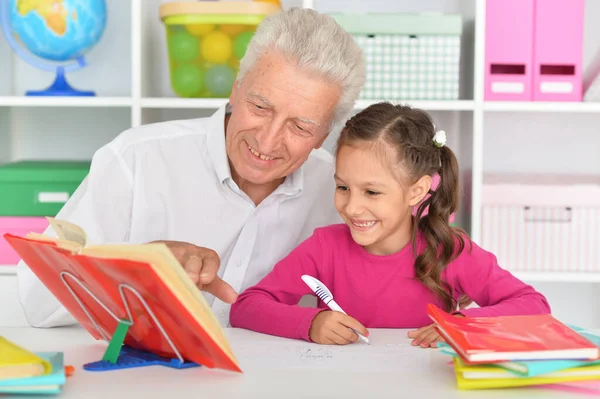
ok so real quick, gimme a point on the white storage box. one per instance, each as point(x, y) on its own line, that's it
point(542, 223)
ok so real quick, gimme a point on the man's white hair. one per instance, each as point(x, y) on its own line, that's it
point(316, 42)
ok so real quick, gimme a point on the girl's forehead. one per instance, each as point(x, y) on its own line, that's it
point(368, 160)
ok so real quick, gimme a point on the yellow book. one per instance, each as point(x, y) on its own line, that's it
point(461, 370)
point(17, 362)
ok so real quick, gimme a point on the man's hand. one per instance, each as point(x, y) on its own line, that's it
point(333, 328)
point(427, 337)
point(202, 264)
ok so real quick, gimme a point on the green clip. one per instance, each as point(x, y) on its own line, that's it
point(116, 342)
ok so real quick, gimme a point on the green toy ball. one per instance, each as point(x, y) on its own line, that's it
point(188, 80)
point(183, 47)
point(240, 44)
point(219, 80)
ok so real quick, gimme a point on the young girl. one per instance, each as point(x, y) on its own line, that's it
point(384, 265)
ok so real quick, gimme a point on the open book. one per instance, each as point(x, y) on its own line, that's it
point(145, 284)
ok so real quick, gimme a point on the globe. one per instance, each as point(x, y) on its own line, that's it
point(54, 35)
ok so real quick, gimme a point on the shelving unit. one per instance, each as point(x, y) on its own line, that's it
point(128, 69)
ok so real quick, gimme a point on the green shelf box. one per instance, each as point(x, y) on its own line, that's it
point(39, 188)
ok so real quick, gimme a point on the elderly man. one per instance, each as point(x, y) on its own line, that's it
point(233, 193)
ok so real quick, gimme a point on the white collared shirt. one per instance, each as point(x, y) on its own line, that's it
point(171, 181)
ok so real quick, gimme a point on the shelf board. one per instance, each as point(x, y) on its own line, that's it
point(8, 270)
point(428, 105)
point(26, 101)
point(533, 106)
point(175, 102)
point(566, 277)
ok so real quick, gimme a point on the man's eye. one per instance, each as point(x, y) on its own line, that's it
point(259, 107)
point(342, 188)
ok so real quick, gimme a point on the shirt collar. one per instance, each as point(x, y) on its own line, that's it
point(217, 150)
point(216, 143)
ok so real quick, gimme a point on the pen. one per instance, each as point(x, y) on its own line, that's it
point(327, 297)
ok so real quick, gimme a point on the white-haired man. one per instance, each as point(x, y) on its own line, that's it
point(233, 193)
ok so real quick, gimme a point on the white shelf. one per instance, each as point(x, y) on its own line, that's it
point(533, 106)
point(459, 105)
point(563, 277)
point(8, 270)
point(25, 101)
point(175, 102)
point(208, 103)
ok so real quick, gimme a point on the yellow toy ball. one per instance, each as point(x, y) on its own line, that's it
point(200, 29)
point(232, 29)
point(216, 47)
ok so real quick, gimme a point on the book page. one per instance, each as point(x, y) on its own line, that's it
point(68, 231)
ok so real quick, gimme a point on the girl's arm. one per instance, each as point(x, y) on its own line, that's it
point(271, 306)
point(497, 292)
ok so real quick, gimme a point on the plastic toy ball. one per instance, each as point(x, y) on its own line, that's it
point(216, 47)
point(188, 80)
point(200, 29)
point(240, 44)
point(219, 80)
point(183, 47)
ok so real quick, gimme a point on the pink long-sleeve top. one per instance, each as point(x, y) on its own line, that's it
point(378, 291)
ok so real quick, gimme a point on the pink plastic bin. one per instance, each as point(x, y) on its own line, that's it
point(542, 223)
point(17, 226)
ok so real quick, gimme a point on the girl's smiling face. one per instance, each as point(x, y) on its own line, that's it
point(373, 199)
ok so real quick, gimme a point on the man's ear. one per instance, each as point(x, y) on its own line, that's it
point(419, 190)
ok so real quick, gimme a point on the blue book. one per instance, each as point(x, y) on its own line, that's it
point(46, 384)
point(532, 368)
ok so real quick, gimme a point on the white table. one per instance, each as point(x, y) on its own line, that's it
point(273, 368)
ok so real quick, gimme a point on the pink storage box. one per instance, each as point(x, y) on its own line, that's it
point(509, 50)
point(542, 223)
point(558, 53)
point(17, 226)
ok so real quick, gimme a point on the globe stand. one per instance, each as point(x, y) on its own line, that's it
point(60, 87)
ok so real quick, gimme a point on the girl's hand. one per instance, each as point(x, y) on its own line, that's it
point(427, 337)
point(333, 328)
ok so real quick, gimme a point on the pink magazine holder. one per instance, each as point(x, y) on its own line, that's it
point(558, 53)
point(509, 50)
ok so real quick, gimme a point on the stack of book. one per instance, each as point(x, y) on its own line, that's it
point(516, 351)
point(25, 372)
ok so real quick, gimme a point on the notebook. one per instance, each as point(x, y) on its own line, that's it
point(18, 362)
point(512, 338)
point(534, 368)
point(46, 384)
point(485, 383)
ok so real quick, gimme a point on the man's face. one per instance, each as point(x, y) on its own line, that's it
point(280, 114)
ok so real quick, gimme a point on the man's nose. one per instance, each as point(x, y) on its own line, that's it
point(270, 137)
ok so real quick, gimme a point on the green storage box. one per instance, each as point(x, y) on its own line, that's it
point(408, 56)
point(39, 188)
